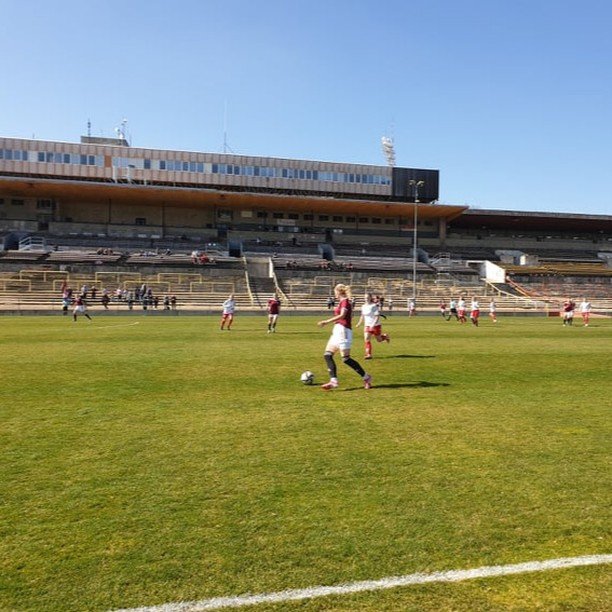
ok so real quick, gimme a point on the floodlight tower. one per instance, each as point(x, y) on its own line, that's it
point(388, 150)
point(415, 192)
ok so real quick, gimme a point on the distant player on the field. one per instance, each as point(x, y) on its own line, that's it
point(229, 306)
point(568, 311)
point(80, 308)
point(453, 308)
point(585, 311)
point(493, 310)
point(461, 310)
point(412, 307)
point(273, 312)
point(474, 311)
point(370, 317)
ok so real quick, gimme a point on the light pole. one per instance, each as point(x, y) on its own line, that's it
point(415, 192)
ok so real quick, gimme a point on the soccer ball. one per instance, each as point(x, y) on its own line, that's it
point(307, 377)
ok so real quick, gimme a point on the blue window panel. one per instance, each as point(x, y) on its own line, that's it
point(147, 164)
point(8, 154)
point(215, 168)
point(162, 164)
point(66, 158)
point(41, 156)
point(200, 167)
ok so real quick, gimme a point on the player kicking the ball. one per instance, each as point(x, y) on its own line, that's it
point(370, 317)
point(341, 339)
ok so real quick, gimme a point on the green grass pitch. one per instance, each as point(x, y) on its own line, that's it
point(148, 460)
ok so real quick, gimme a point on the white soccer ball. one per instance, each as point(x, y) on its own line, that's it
point(307, 377)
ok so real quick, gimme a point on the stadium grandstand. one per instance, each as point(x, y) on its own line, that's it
point(201, 225)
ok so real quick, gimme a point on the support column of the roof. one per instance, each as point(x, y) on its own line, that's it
point(442, 231)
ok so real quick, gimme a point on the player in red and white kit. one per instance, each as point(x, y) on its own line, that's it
point(461, 310)
point(273, 312)
point(474, 311)
point(341, 339)
point(370, 317)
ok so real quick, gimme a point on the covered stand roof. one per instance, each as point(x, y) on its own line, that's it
point(186, 197)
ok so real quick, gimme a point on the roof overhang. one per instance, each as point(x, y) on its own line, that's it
point(193, 197)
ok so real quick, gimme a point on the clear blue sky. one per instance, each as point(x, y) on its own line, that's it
point(510, 99)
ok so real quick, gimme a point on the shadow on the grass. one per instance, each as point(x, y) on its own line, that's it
point(408, 357)
point(421, 384)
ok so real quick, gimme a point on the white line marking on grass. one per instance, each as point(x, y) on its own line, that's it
point(374, 585)
point(122, 325)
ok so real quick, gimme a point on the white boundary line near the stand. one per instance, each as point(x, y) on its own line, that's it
point(374, 585)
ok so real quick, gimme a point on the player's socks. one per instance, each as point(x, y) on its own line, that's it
point(331, 365)
point(351, 363)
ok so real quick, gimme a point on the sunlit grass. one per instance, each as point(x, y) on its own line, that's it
point(167, 461)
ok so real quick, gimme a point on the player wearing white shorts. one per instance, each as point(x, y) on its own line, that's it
point(474, 311)
point(79, 308)
point(229, 306)
point(493, 311)
point(341, 339)
point(370, 317)
point(461, 310)
point(585, 311)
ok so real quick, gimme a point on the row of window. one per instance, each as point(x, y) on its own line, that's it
point(174, 165)
point(333, 218)
point(52, 158)
point(40, 204)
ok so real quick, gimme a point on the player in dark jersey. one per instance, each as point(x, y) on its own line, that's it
point(273, 312)
point(80, 308)
point(341, 339)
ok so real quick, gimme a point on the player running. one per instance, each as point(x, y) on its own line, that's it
point(80, 308)
point(273, 312)
point(341, 339)
point(474, 311)
point(461, 310)
point(370, 317)
point(229, 306)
